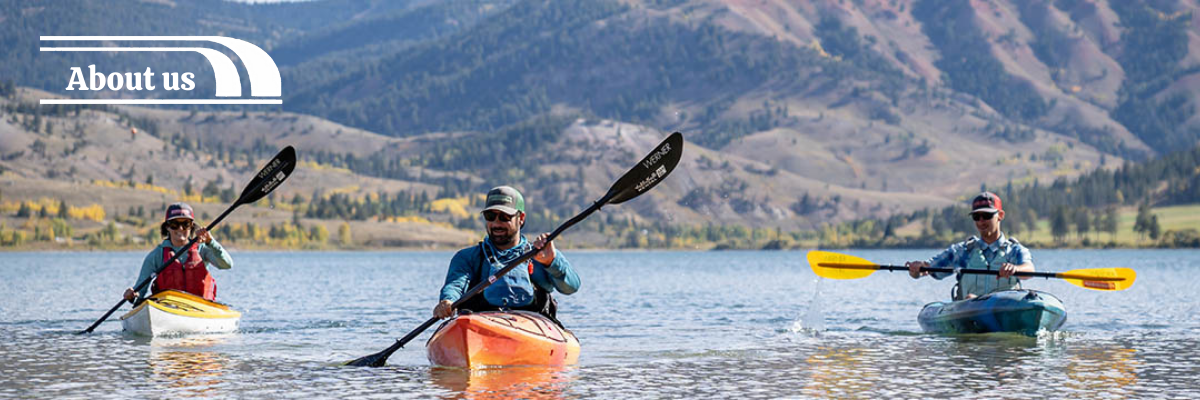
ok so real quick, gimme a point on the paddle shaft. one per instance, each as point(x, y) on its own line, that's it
point(267, 179)
point(646, 175)
point(1047, 275)
point(146, 281)
point(492, 279)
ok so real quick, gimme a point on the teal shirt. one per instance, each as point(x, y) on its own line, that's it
point(212, 253)
point(558, 276)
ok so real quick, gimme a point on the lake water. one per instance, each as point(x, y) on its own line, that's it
point(652, 325)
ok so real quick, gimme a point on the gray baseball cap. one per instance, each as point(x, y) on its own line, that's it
point(505, 199)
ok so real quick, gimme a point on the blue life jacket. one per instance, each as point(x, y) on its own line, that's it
point(514, 289)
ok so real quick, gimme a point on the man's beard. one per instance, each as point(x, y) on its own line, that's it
point(502, 240)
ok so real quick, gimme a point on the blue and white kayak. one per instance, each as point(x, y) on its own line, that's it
point(1021, 311)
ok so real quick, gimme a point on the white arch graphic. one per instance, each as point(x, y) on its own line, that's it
point(262, 71)
point(228, 82)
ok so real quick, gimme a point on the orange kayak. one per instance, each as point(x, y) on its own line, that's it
point(502, 338)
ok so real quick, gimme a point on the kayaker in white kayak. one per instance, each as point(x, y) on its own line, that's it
point(189, 273)
point(990, 250)
point(523, 288)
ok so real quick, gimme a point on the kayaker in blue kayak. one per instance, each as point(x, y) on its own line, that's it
point(990, 250)
point(523, 288)
point(188, 273)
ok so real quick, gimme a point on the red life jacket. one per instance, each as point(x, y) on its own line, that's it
point(192, 277)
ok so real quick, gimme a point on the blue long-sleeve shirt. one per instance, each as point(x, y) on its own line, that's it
point(212, 253)
point(468, 262)
point(955, 256)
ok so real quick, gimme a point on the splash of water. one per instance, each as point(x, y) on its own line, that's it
point(813, 321)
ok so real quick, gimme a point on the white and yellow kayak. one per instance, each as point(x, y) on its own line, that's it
point(172, 312)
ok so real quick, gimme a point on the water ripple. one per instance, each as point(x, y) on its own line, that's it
point(653, 325)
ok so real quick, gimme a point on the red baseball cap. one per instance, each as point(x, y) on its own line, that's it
point(179, 210)
point(987, 202)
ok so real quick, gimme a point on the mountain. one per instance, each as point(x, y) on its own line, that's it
point(867, 108)
point(733, 86)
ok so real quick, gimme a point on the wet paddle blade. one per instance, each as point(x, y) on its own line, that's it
point(1103, 279)
point(270, 176)
point(267, 179)
point(375, 360)
point(649, 172)
point(832, 265)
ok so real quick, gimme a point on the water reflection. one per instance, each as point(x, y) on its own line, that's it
point(1107, 371)
point(994, 357)
point(840, 373)
point(184, 368)
point(672, 343)
point(503, 382)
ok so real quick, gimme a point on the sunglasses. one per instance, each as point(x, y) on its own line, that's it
point(179, 224)
point(492, 215)
point(982, 216)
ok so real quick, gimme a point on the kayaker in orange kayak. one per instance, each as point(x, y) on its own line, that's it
point(189, 273)
point(525, 288)
point(990, 250)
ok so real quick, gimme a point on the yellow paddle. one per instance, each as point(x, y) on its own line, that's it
point(832, 265)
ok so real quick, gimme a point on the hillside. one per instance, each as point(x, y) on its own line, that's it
point(865, 108)
point(98, 156)
point(1146, 204)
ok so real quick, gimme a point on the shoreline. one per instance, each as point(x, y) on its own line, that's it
point(87, 249)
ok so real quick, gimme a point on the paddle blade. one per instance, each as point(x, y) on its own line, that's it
point(375, 360)
point(649, 172)
point(832, 265)
point(271, 175)
point(1103, 279)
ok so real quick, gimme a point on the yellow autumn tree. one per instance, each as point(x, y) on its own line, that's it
point(344, 236)
point(319, 234)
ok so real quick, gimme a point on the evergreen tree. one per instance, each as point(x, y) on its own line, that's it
point(318, 234)
point(1141, 224)
point(1110, 222)
point(1153, 228)
point(110, 232)
point(1030, 221)
point(1083, 222)
point(1059, 225)
point(187, 186)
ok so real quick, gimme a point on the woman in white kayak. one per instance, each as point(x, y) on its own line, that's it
point(990, 250)
point(189, 272)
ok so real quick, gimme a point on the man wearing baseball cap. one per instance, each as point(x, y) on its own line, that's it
point(188, 273)
point(522, 288)
point(990, 250)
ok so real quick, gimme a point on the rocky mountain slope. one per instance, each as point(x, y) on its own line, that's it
point(867, 107)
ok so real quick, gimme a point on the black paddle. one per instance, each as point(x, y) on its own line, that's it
point(263, 183)
point(648, 173)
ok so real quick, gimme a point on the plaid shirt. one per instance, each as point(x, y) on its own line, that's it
point(956, 255)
